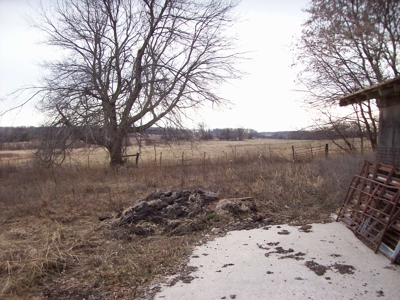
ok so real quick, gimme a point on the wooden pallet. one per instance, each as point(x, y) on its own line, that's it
point(371, 207)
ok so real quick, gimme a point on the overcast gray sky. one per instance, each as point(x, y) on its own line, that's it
point(264, 100)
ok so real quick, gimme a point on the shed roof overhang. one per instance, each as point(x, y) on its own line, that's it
point(381, 90)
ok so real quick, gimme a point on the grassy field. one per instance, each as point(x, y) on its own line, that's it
point(181, 153)
point(53, 246)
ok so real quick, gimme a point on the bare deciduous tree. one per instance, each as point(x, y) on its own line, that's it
point(130, 64)
point(347, 46)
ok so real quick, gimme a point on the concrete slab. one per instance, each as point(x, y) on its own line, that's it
point(328, 262)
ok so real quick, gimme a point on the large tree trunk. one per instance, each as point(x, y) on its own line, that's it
point(116, 151)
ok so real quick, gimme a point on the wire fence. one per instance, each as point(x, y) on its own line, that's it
point(159, 155)
point(288, 153)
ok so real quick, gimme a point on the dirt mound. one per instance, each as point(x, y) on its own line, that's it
point(183, 212)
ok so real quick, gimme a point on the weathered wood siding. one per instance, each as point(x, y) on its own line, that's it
point(388, 151)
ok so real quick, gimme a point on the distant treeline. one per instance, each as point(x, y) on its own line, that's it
point(30, 134)
point(321, 134)
point(229, 134)
point(20, 134)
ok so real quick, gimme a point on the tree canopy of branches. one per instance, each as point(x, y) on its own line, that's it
point(348, 45)
point(128, 65)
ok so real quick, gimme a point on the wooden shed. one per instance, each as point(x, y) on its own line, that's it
point(371, 207)
point(387, 95)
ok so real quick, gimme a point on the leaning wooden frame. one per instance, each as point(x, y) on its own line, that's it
point(371, 208)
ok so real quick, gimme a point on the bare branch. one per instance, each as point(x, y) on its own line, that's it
point(347, 46)
point(130, 64)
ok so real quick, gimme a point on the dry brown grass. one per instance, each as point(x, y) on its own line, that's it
point(162, 154)
point(53, 246)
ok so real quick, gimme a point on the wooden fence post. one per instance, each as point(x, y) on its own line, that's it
point(155, 155)
point(137, 159)
point(294, 158)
